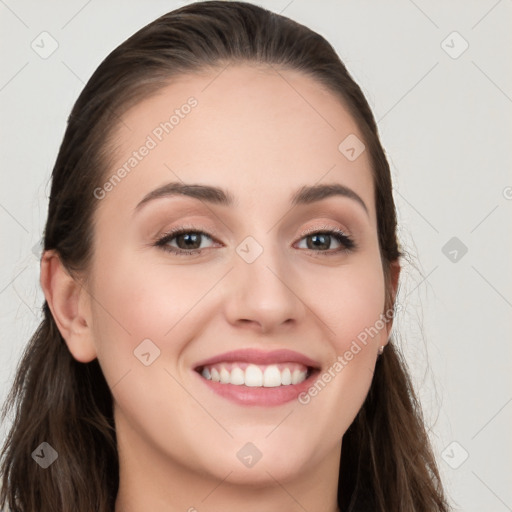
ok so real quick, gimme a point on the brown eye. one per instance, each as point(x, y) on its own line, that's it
point(188, 240)
point(183, 241)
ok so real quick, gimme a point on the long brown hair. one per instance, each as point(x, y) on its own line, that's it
point(386, 462)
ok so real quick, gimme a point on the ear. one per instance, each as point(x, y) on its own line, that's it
point(69, 303)
point(394, 274)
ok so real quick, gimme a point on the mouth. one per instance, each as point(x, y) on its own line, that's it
point(253, 377)
point(241, 373)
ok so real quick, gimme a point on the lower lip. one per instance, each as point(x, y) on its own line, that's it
point(267, 397)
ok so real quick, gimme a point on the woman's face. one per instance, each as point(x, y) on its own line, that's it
point(258, 279)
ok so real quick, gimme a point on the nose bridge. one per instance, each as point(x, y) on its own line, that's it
point(263, 291)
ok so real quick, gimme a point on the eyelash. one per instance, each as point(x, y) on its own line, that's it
point(346, 241)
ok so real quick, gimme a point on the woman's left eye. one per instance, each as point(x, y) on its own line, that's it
point(184, 242)
point(320, 239)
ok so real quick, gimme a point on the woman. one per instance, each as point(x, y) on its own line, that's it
point(220, 271)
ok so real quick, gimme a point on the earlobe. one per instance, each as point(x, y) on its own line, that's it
point(69, 303)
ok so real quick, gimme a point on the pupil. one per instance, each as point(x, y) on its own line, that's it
point(325, 244)
point(190, 239)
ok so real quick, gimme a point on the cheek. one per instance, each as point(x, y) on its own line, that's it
point(134, 302)
point(141, 301)
point(350, 301)
point(352, 307)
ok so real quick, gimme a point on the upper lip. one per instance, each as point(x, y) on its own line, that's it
point(256, 356)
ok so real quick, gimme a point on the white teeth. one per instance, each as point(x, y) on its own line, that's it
point(224, 376)
point(254, 376)
point(286, 377)
point(237, 377)
point(272, 377)
point(297, 376)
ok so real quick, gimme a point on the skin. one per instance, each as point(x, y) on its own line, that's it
point(253, 134)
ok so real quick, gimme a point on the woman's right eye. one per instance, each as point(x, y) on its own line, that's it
point(187, 242)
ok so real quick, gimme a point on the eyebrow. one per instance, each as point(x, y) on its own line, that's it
point(219, 196)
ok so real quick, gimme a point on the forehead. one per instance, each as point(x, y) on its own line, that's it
point(259, 131)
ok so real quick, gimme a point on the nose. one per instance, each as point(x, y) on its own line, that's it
point(262, 295)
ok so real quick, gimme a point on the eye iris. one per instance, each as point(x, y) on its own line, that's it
point(190, 239)
point(324, 241)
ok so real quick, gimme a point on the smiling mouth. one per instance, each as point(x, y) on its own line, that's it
point(256, 375)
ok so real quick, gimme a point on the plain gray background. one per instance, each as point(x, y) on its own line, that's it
point(444, 115)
